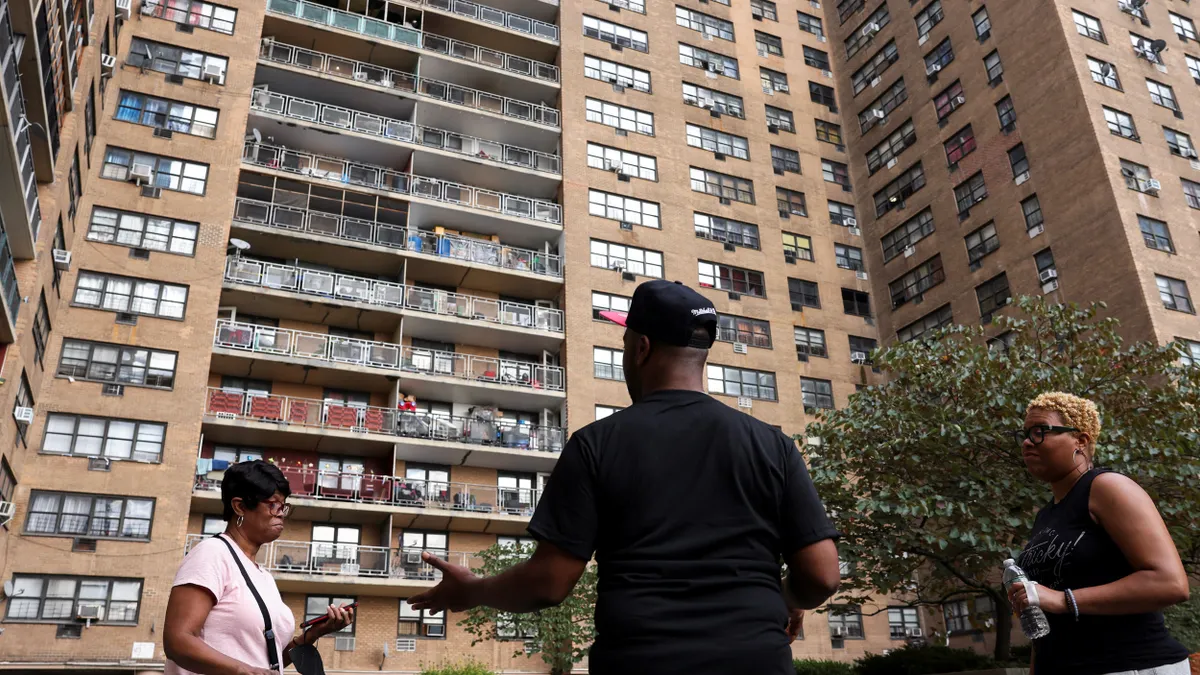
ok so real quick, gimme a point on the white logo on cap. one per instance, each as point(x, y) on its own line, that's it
point(704, 310)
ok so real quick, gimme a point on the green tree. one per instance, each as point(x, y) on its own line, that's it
point(927, 484)
point(562, 634)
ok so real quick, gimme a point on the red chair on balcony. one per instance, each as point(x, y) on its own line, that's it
point(341, 416)
point(298, 413)
point(373, 419)
point(374, 488)
point(225, 402)
point(266, 408)
point(300, 482)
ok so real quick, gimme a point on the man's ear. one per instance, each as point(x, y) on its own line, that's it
point(642, 349)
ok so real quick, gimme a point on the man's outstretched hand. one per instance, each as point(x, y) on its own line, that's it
point(795, 624)
point(455, 592)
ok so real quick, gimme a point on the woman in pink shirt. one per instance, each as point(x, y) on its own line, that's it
point(214, 623)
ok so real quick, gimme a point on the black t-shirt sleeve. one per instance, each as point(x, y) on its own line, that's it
point(804, 520)
point(566, 513)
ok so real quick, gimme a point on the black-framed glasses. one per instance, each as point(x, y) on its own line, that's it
point(1038, 434)
point(278, 508)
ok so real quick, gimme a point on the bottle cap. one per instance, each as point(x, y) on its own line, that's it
point(1010, 562)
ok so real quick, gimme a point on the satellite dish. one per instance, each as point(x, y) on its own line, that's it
point(1136, 4)
point(1128, 173)
point(1106, 69)
point(257, 135)
point(240, 244)
point(1158, 46)
point(8, 589)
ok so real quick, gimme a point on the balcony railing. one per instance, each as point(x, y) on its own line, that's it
point(392, 236)
point(405, 132)
point(382, 178)
point(360, 488)
point(479, 429)
point(375, 29)
point(8, 279)
point(386, 355)
point(370, 73)
point(496, 17)
point(387, 294)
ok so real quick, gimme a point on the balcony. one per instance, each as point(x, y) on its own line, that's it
point(491, 16)
point(374, 138)
point(375, 305)
point(477, 440)
point(19, 208)
point(10, 292)
point(539, 128)
point(532, 79)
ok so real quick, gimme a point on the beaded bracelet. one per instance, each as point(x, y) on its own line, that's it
point(1073, 605)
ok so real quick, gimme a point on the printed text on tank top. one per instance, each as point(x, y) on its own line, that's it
point(1052, 552)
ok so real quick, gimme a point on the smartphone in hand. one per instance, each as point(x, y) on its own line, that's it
point(318, 619)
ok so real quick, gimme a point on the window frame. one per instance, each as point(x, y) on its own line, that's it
point(133, 107)
point(935, 320)
point(105, 441)
point(1178, 290)
point(856, 302)
point(717, 141)
point(1156, 234)
point(793, 202)
point(617, 116)
point(183, 62)
point(743, 330)
point(644, 213)
point(721, 185)
point(731, 279)
point(118, 364)
point(646, 266)
point(630, 79)
point(123, 159)
point(721, 102)
point(986, 242)
point(1083, 26)
point(611, 366)
point(760, 385)
point(951, 94)
point(899, 189)
point(135, 298)
point(1096, 68)
point(178, 228)
point(726, 230)
point(917, 281)
point(613, 34)
point(90, 516)
point(994, 69)
point(970, 192)
point(817, 396)
point(632, 164)
point(993, 295)
point(703, 59)
point(902, 236)
point(75, 600)
point(800, 293)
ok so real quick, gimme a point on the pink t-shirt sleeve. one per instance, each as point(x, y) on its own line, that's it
point(207, 566)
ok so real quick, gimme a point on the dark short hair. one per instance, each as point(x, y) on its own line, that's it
point(254, 481)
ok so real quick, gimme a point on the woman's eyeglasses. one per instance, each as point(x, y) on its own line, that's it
point(1038, 434)
point(278, 508)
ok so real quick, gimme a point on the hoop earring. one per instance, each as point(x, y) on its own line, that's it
point(240, 520)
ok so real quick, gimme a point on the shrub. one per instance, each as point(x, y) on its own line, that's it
point(468, 668)
point(1183, 620)
point(926, 660)
point(807, 667)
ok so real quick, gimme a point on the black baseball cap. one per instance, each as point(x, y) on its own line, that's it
point(668, 312)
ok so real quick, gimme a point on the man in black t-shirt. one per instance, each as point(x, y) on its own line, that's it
point(687, 505)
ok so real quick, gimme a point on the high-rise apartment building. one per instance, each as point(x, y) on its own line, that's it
point(367, 241)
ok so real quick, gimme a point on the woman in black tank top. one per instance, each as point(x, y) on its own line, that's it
point(1102, 557)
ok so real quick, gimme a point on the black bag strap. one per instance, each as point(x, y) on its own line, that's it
point(268, 633)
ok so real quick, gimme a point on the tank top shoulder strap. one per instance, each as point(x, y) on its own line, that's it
point(1081, 492)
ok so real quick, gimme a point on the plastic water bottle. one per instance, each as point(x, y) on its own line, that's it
point(1033, 619)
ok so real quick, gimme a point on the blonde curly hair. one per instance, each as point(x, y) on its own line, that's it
point(1075, 412)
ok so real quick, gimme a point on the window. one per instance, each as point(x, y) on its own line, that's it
point(74, 188)
point(711, 26)
point(810, 342)
point(624, 162)
point(993, 294)
point(162, 113)
point(1191, 192)
point(886, 151)
point(949, 100)
point(1120, 124)
point(790, 202)
point(141, 231)
point(603, 411)
point(958, 613)
point(842, 214)
point(941, 56)
point(866, 31)
point(1174, 294)
point(732, 279)
point(722, 185)
point(708, 61)
point(994, 68)
point(836, 172)
point(165, 172)
point(115, 439)
point(983, 24)
point(970, 192)
point(717, 142)
point(616, 73)
point(1031, 208)
point(89, 123)
point(901, 188)
point(60, 243)
point(640, 261)
point(817, 394)
point(1192, 349)
point(23, 399)
point(105, 49)
point(623, 209)
point(41, 329)
point(809, 23)
point(856, 303)
point(615, 34)
point(907, 234)
point(778, 118)
point(860, 349)
point(1104, 72)
point(175, 60)
point(424, 623)
point(1007, 113)
point(819, 94)
point(916, 281)
point(318, 605)
point(846, 623)
point(848, 257)
point(929, 17)
point(803, 294)
point(871, 70)
point(797, 246)
point(57, 599)
point(938, 318)
point(742, 330)
point(814, 58)
point(828, 132)
point(785, 160)
point(1088, 26)
point(770, 45)
point(982, 242)
point(79, 515)
point(726, 230)
point(960, 145)
point(1193, 65)
point(199, 14)
point(1018, 161)
point(764, 9)
point(1155, 234)
point(8, 482)
point(104, 362)
point(741, 382)
point(126, 294)
point(722, 103)
point(1184, 27)
point(846, 8)
point(1179, 143)
point(607, 364)
point(633, 5)
point(888, 101)
point(1162, 94)
point(619, 116)
point(603, 302)
point(1044, 261)
point(212, 525)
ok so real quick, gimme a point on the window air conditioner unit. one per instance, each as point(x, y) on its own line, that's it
point(7, 509)
point(860, 275)
point(1153, 185)
point(108, 63)
point(869, 30)
point(789, 257)
point(756, 12)
point(909, 251)
point(855, 231)
point(412, 557)
point(960, 99)
point(1047, 275)
point(850, 221)
point(858, 357)
point(140, 173)
point(213, 73)
point(435, 630)
point(782, 88)
point(343, 643)
point(769, 90)
point(935, 68)
point(1050, 286)
point(913, 631)
point(99, 464)
point(837, 631)
point(123, 9)
point(739, 348)
point(877, 113)
point(1036, 230)
point(62, 259)
point(23, 415)
point(149, 7)
point(1189, 153)
point(87, 611)
point(1021, 178)
point(406, 644)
